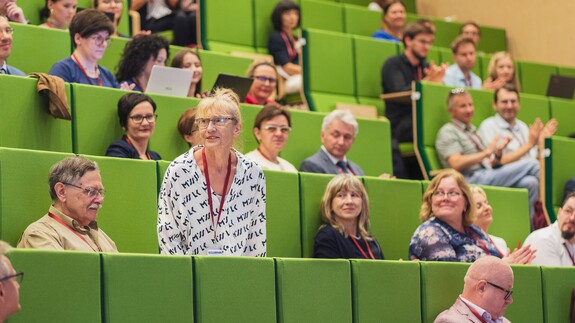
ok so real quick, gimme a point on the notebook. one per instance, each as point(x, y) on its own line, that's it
point(561, 86)
point(170, 81)
point(238, 84)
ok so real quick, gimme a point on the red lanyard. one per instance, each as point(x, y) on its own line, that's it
point(478, 144)
point(130, 142)
point(569, 253)
point(207, 174)
point(476, 238)
point(359, 247)
point(84, 71)
point(521, 140)
point(50, 214)
point(479, 317)
point(417, 74)
point(290, 48)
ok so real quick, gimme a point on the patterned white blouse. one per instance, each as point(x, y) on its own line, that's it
point(184, 217)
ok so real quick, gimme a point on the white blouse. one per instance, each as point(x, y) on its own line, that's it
point(282, 165)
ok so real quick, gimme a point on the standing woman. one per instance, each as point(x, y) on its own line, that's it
point(283, 46)
point(345, 213)
point(58, 13)
point(189, 59)
point(213, 199)
point(137, 114)
point(114, 7)
point(138, 58)
point(393, 21)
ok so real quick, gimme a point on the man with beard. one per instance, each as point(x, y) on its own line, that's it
point(10, 9)
point(77, 195)
point(460, 74)
point(555, 244)
point(397, 74)
point(6, 48)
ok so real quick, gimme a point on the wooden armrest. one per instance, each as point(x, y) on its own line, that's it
point(136, 22)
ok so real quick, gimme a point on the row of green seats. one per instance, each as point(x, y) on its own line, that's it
point(152, 288)
point(558, 170)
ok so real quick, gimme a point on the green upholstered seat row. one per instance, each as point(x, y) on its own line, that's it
point(152, 288)
point(558, 170)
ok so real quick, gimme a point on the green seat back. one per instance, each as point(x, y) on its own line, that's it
point(247, 141)
point(558, 285)
point(227, 22)
point(441, 282)
point(130, 212)
point(282, 214)
point(483, 103)
point(557, 171)
point(534, 106)
point(527, 295)
point(215, 63)
point(492, 40)
point(161, 169)
point(246, 286)
point(564, 111)
point(445, 32)
point(113, 54)
point(394, 213)
point(24, 175)
point(304, 139)
point(30, 40)
point(566, 71)
point(535, 77)
point(361, 21)
point(313, 290)
point(326, 102)
point(324, 15)
point(312, 187)
point(58, 275)
point(263, 26)
point(24, 118)
point(138, 288)
point(380, 288)
point(32, 10)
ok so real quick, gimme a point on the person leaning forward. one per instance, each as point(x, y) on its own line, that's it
point(77, 195)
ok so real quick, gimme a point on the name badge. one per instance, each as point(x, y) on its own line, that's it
point(215, 252)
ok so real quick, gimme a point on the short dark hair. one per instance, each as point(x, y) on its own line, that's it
point(468, 23)
point(178, 61)
point(88, 22)
point(187, 123)
point(271, 111)
point(570, 195)
point(389, 3)
point(508, 87)
point(137, 53)
point(460, 41)
point(412, 30)
point(127, 103)
point(281, 7)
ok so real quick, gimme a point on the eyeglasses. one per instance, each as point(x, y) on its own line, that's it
point(7, 30)
point(507, 291)
point(263, 79)
point(138, 118)
point(91, 192)
point(219, 122)
point(450, 195)
point(99, 40)
point(272, 128)
point(18, 276)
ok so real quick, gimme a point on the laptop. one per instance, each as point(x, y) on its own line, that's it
point(238, 84)
point(170, 81)
point(561, 86)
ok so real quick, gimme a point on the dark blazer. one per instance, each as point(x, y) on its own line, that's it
point(320, 163)
point(121, 148)
point(329, 243)
point(458, 313)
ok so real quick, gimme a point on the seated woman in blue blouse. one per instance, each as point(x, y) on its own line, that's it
point(448, 233)
point(392, 21)
point(90, 32)
point(345, 213)
point(138, 119)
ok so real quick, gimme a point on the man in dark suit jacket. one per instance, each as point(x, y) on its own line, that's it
point(338, 133)
point(486, 293)
point(6, 48)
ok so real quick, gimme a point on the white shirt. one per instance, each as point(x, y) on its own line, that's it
point(333, 159)
point(483, 313)
point(500, 244)
point(519, 134)
point(157, 9)
point(282, 165)
point(455, 77)
point(549, 245)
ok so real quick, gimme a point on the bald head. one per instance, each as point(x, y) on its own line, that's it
point(486, 284)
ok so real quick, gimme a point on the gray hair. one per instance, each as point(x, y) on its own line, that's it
point(344, 116)
point(4, 263)
point(69, 170)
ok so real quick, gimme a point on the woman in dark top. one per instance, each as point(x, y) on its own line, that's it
point(345, 213)
point(138, 119)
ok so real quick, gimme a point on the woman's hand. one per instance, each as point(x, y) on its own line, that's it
point(521, 256)
point(204, 94)
point(127, 87)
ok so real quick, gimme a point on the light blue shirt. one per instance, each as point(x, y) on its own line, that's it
point(454, 77)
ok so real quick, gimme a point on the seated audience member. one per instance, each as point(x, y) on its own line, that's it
point(338, 132)
point(397, 74)
point(471, 30)
point(188, 128)
point(523, 139)
point(10, 281)
point(6, 48)
point(138, 58)
point(555, 244)
point(162, 15)
point(189, 59)
point(283, 45)
point(392, 21)
point(265, 79)
point(569, 187)
point(487, 290)
point(460, 147)
point(461, 74)
point(90, 32)
point(501, 71)
point(448, 232)
point(271, 129)
point(345, 215)
point(10, 10)
point(71, 223)
point(204, 209)
point(427, 23)
point(58, 13)
point(137, 114)
point(484, 218)
point(115, 7)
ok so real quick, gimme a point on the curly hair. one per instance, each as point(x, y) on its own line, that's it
point(137, 52)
